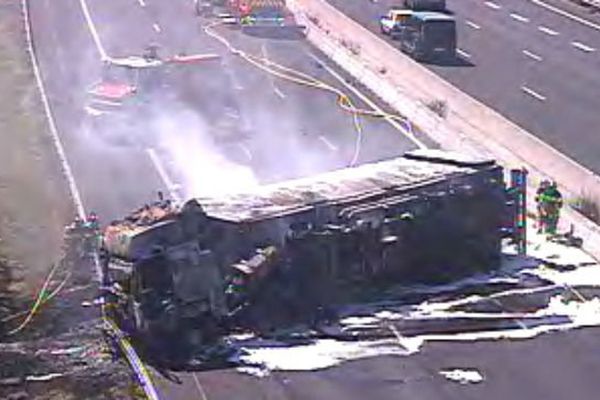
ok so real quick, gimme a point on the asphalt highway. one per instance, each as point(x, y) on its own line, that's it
point(254, 121)
point(280, 130)
point(529, 60)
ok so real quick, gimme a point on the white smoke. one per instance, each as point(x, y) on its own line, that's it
point(201, 168)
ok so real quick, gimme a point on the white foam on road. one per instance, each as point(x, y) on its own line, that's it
point(463, 376)
point(317, 355)
point(560, 313)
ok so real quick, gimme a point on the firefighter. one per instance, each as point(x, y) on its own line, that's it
point(549, 203)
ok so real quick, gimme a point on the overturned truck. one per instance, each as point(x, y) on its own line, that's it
point(288, 249)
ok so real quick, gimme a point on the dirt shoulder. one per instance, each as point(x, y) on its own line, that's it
point(34, 202)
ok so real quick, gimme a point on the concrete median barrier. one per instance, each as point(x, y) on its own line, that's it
point(466, 125)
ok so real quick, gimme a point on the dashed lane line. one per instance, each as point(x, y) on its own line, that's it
point(583, 47)
point(493, 5)
point(142, 3)
point(156, 27)
point(246, 151)
point(472, 24)
point(93, 30)
point(328, 143)
point(547, 30)
point(519, 17)
point(463, 53)
point(199, 387)
point(171, 187)
point(533, 93)
point(532, 55)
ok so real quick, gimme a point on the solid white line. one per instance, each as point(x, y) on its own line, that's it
point(533, 93)
point(583, 47)
point(370, 103)
point(493, 5)
point(246, 151)
point(463, 53)
point(532, 55)
point(472, 24)
point(142, 3)
point(171, 187)
point(93, 31)
point(60, 150)
point(547, 30)
point(327, 143)
point(519, 18)
point(156, 27)
point(566, 14)
point(199, 387)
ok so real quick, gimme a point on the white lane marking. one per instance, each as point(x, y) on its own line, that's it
point(583, 47)
point(277, 91)
point(327, 143)
point(171, 187)
point(142, 3)
point(472, 24)
point(566, 14)
point(519, 17)
point(533, 93)
point(93, 30)
point(60, 150)
point(463, 53)
point(246, 151)
point(532, 55)
point(199, 387)
point(547, 30)
point(406, 132)
point(108, 102)
point(156, 27)
point(493, 5)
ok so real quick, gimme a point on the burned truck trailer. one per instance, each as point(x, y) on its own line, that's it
point(299, 245)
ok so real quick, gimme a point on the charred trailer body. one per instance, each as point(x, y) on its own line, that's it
point(296, 246)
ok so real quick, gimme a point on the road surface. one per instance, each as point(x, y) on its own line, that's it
point(525, 60)
point(291, 131)
point(286, 130)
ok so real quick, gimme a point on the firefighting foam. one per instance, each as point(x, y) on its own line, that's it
point(561, 312)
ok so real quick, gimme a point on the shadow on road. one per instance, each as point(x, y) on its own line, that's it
point(456, 61)
point(276, 32)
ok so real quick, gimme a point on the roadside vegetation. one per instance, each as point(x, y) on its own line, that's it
point(34, 205)
point(34, 209)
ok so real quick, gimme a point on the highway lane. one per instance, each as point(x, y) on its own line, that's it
point(111, 179)
point(274, 116)
point(534, 66)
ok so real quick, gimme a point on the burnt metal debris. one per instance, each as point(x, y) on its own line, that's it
point(195, 271)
